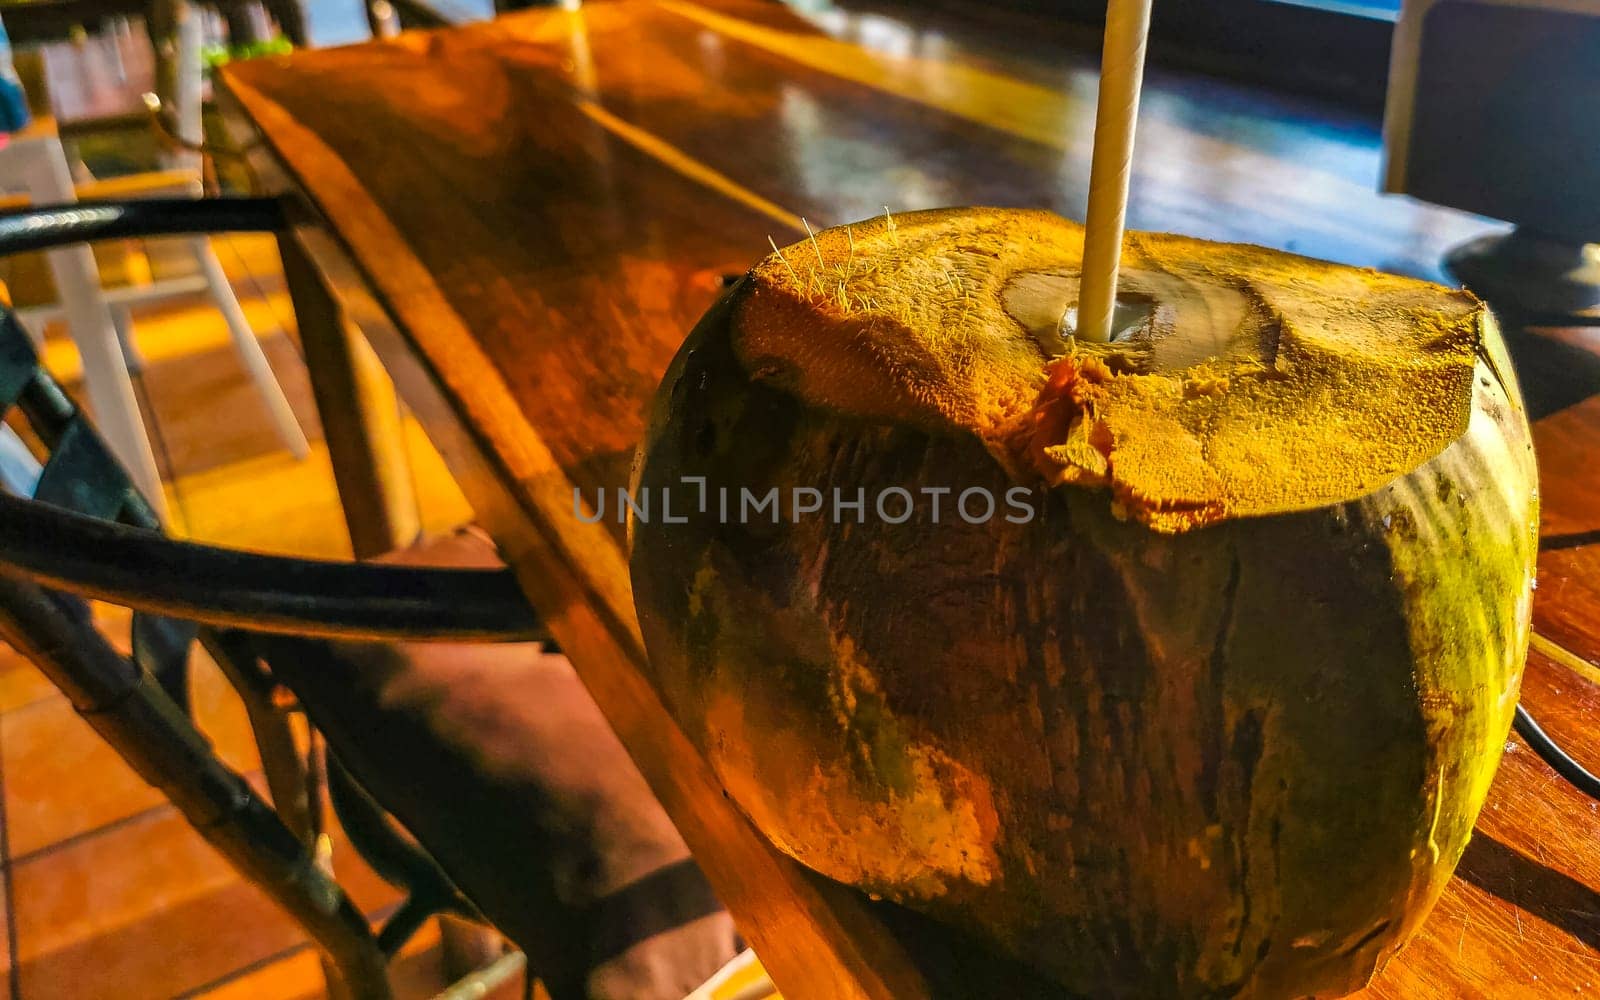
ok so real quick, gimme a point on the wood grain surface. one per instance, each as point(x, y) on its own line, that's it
point(544, 205)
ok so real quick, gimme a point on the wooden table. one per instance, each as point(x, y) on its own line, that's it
point(524, 218)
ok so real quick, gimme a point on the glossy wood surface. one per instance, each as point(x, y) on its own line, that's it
point(544, 206)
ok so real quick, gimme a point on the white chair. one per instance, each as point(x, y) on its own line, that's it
point(33, 161)
point(99, 321)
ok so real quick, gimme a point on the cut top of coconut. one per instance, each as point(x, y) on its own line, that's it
point(1249, 382)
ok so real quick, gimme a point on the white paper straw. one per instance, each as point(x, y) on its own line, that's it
point(1121, 75)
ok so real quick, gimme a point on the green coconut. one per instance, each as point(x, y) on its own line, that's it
point(1204, 698)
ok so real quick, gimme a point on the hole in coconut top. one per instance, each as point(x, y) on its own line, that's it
point(1128, 316)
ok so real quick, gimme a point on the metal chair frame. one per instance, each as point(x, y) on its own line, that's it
point(89, 532)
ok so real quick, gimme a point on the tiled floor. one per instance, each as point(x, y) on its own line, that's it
point(108, 892)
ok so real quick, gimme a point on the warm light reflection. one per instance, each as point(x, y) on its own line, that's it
point(822, 170)
point(885, 35)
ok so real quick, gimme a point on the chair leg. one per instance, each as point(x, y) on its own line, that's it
point(43, 169)
point(122, 322)
point(249, 348)
point(360, 412)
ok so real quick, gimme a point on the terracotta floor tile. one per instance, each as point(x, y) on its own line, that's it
point(415, 975)
point(115, 623)
point(21, 683)
point(276, 504)
point(296, 976)
point(268, 504)
point(62, 780)
point(251, 258)
point(233, 423)
point(149, 909)
point(171, 331)
point(254, 256)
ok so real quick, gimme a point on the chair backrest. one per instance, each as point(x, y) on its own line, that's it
point(87, 527)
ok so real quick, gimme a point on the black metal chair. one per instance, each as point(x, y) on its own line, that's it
point(492, 756)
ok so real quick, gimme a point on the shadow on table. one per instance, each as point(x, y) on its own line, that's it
point(1557, 366)
point(1555, 898)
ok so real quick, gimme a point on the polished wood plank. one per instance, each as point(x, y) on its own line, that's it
point(1206, 166)
point(572, 185)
